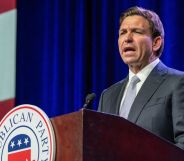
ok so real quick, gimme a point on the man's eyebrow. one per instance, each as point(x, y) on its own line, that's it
point(133, 28)
point(122, 29)
point(138, 29)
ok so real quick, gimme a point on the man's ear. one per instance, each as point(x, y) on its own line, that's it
point(157, 42)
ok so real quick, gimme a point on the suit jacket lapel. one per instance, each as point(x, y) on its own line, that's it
point(116, 97)
point(151, 84)
point(125, 81)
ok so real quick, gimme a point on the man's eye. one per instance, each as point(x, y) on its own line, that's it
point(122, 33)
point(139, 32)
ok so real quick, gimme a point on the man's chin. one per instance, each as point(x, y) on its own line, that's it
point(131, 62)
point(134, 64)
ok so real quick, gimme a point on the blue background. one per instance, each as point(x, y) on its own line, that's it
point(68, 48)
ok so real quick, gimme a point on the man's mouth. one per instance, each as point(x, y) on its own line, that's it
point(128, 49)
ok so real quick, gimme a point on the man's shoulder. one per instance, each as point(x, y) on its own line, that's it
point(116, 86)
point(175, 72)
point(170, 71)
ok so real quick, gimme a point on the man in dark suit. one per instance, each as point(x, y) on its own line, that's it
point(158, 104)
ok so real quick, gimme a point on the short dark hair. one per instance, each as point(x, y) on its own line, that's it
point(155, 23)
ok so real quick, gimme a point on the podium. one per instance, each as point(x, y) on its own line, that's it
point(92, 136)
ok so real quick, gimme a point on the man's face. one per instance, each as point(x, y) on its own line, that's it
point(135, 41)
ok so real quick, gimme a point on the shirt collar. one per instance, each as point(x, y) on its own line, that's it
point(143, 74)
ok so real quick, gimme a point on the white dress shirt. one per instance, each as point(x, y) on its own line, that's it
point(142, 75)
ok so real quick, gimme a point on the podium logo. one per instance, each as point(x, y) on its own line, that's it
point(19, 148)
point(26, 134)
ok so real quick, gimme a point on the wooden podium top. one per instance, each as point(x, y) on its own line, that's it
point(92, 136)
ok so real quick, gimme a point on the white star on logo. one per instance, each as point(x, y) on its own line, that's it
point(26, 141)
point(19, 143)
point(12, 144)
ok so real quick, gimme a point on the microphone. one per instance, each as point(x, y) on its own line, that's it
point(89, 98)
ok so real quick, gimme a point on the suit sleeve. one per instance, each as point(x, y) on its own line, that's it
point(178, 113)
point(100, 105)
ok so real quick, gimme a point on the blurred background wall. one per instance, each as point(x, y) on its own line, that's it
point(66, 49)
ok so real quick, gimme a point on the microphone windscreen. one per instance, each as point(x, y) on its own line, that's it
point(90, 97)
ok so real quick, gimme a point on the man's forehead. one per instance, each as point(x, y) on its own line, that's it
point(135, 21)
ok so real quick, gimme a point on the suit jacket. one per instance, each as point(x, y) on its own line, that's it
point(158, 106)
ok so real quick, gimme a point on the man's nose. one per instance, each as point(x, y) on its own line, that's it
point(128, 37)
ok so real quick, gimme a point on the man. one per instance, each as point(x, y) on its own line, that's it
point(157, 101)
